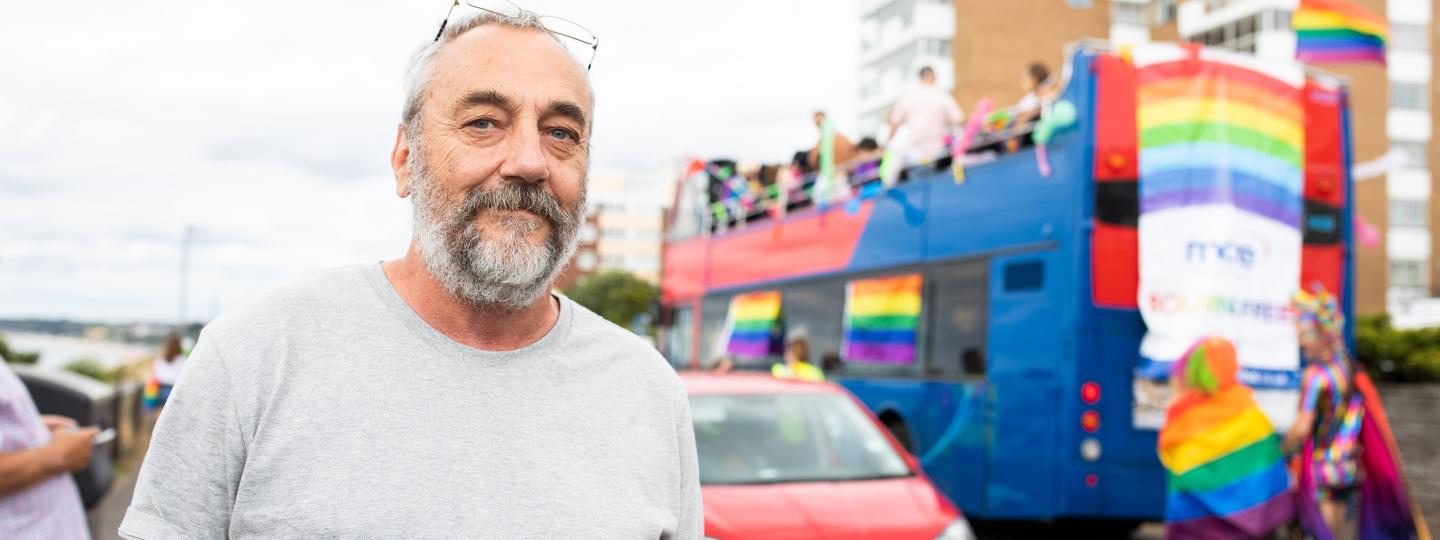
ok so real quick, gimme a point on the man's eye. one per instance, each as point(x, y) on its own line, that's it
point(562, 134)
point(483, 123)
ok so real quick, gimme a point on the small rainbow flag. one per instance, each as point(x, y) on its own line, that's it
point(1226, 476)
point(1213, 132)
point(880, 319)
point(1338, 31)
point(756, 320)
point(150, 396)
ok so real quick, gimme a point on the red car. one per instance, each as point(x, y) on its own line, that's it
point(795, 460)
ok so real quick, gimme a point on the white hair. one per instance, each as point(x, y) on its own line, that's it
point(422, 64)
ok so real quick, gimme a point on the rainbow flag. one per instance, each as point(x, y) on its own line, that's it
point(1213, 132)
point(880, 319)
point(150, 396)
point(1226, 475)
point(1338, 31)
point(755, 319)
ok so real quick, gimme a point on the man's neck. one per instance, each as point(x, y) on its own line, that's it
point(485, 328)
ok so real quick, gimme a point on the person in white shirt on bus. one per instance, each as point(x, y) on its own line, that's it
point(921, 121)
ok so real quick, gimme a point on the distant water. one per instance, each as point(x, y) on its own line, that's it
point(56, 351)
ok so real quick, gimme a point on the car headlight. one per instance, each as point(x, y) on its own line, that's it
point(958, 530)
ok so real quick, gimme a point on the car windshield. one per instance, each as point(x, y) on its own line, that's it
point(762, 439)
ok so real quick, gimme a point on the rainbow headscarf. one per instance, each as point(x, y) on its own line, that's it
point(1226, 475)
point(1321, 309)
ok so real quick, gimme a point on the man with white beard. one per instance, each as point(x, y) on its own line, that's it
point(446, 393)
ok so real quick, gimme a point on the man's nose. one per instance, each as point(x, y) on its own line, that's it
point(525, 160)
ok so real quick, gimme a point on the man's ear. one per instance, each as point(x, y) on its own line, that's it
point(400, 162)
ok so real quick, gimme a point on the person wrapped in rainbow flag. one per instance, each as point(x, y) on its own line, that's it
point(1226, 475)
point(1346, 449)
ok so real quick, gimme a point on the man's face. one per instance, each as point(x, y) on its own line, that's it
point(499, 169)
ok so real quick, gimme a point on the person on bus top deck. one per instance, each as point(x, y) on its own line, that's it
point(921, 120)
point(1330, 410)
point(446, 393)
point(844, 149)
point(797, 356)
point(1039, 91)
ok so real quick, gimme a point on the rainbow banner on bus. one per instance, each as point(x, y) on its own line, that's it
point(880, 319)
point(1221, 150)
point(755, 320)
point(1338, 31)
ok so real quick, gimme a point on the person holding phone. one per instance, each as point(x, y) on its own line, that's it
point(38, 497)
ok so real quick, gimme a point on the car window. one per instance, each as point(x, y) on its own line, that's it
point(756, 439)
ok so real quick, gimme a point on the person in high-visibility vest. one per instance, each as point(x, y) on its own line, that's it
point(797, 352)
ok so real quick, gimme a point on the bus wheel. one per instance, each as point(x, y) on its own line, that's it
point(897, 428)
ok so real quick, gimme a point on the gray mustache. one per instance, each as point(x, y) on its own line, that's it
point(516, 196)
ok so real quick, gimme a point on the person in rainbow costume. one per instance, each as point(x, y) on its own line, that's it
point(1347, 462)
point(1226, 476)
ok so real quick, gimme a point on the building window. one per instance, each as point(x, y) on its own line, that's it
point(1405, 95)
point(1409, 37)
point(1408, 275)
point(585, 260)
point(1165, 11)
point(1416, 154)
point(1281, 19)
point(1128, 13)
point(1408, 213)
point(613, 234)
point(1080, 4)
point(612, 261)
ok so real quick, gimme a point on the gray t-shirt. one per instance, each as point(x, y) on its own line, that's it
point(330, 409)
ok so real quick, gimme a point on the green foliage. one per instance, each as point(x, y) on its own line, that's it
point(616, 295)
point(1397, 355)
point(16, 357)
point(92, 369)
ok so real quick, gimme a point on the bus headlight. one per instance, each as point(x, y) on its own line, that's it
point(958, 530)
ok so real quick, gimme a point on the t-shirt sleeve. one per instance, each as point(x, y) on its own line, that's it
point(691, 511)
point(186, 487)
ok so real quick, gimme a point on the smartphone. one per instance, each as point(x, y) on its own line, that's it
point(104, 436)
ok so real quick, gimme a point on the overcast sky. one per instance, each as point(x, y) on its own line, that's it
point(267, 124)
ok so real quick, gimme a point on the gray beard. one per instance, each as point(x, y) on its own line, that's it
point(505, 271)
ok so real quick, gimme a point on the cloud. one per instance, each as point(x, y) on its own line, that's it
point(268, 125)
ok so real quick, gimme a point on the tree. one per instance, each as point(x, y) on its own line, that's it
point(616, 295)
point(17, 357)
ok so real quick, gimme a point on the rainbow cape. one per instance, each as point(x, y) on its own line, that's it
point(1338, 31)
point(880, 319)
point(1386, 510)
point(755, 318)
point(1226, 475)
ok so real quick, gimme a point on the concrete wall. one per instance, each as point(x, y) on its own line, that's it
point(1412, 409)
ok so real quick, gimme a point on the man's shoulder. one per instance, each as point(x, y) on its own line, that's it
point(308, 298)
point(616, 342)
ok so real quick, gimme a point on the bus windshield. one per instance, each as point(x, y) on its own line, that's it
point(766, 439)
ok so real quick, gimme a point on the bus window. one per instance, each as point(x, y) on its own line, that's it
point(958, 320)
point(680, 336)
point(712, 324)
point(1024, 276)
point(818, 308)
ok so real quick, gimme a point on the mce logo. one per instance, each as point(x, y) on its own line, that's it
point(1233, 252)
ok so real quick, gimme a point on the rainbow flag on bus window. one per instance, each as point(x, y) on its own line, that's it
point(1338, 31)
point(880, 319)
point(755, 320)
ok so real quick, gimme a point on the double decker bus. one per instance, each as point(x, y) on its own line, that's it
point(1020, 395)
